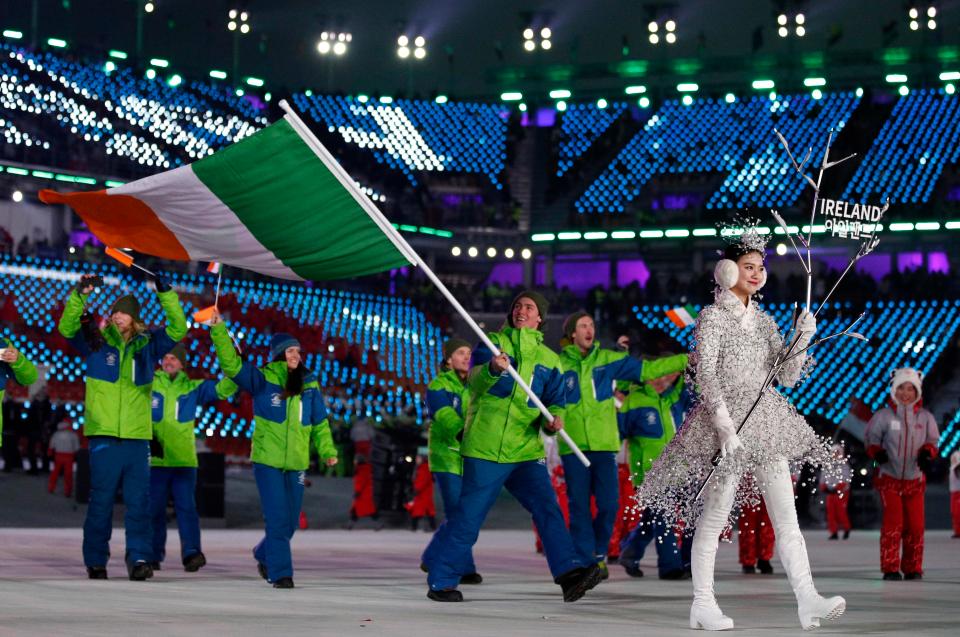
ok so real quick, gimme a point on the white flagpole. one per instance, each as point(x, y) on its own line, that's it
point(411, 255)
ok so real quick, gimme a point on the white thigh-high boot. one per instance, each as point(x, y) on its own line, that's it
point(717, 500)
point(778, 494)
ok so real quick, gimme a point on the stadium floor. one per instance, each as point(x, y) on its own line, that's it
point(367, 582)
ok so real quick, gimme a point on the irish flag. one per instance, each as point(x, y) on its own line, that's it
point(683, 316)
point(276, 203)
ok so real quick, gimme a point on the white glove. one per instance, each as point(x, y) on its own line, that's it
point(806, 325)
point(727, 432)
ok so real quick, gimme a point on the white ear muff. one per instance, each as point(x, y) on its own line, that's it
point(763, 279)
point(726, 274)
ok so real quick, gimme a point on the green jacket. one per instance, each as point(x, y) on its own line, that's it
point(21, 370)
point(649, 421)
point(590, 417)
point(283, 427)
point(175, 404)
point(448, 399)
point(119, 377)
point(502, 424)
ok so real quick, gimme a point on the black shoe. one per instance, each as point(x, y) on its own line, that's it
point(892, 577)
point(675, 574)
point(284, 582)
point(633, 571)
point(97, 572)
point(765, 567)
point(262, 569)
point(748, 569)
point(577, 582)
point(846, 534)
point(140, 571)
point(833, 536)
point(193, 563)
point(154, 565)
point(445, 595)
point(910, 576)
point(471, 578)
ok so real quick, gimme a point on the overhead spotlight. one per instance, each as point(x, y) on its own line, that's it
point(17, 196)
point(668, 30)
point(918, 12)
point(148, 7)
point(238, 20)
point(526, 253)
point(508, 253)
point(472, 251)
point(797, 19)
point(491, 252)
point(781, 249)
point(531, 35)
point(782, 20)
point(455, 251)
point(333, 42)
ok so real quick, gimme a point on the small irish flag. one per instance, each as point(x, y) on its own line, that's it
point(682, 317)
point(276, 203)
point(214, 267)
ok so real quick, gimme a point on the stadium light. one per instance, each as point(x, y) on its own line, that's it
point(923, 15)
point(687, 100)
point(254, 81)
point(561, 106)
point(17, 196)
point(159, 63)
point(688, 87)
point(950, 76)
point(811, 82)
point(218, 75)
point(666, 33)
point(763, 85)
point(644, 102)
point(148, 7)
point(533, 36)
point(12, 34)
point(238, 21)
point(560, 94)
point(118, 55)
point(508, 253)
point(635, 90)
point(602, 103)
point(730, 98)
point(491, 252)
point(58, 43)
point(895, 78)
point(334, 42)
point(441, 99)
point(797, 21)
point(455, 251)
point(175, 80)
point(511, 96)
point(525, 254)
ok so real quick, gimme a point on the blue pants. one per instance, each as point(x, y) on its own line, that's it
point(449, 485)
point(482, 481)
point(281, 498)
point(116, 463)
point(592, 535)
point(182, 483)
point(651, 528)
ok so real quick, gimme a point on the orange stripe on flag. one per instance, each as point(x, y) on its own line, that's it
point(120, 256)
point(122, 220)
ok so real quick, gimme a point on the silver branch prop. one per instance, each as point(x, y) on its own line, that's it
point(806, 260)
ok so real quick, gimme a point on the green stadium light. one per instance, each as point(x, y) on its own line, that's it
point(151, 74)
point(903, 90)
point(594, 236)
point(57, 42)
point(635, 90)
point(13, 34)
point(811, 82)
point(175, 80)
point(13, 170)
point(895, 78)
point(687, 100)
point(950, 76)
point(602, 103)
point(950, 89)
point(900, 227)
point(441, 99)
point(644, 102)
point(522, 107)
point(218, 75)
point(730, 98)
point(651, 234)
point(927, 225)
point(623, 234)
point(254, 81)
point(816, 94)
point(763, 85)
point(363, 99)
point(109, 67)
point(688, 87)
point(560, 94)
point(110, 183)
point(952, 225)
point(569, 236)
point(704, 232)
point(117, 55)
point(511, 96)
point(543, 236)
point(386, 99)
point(159, 63)
point(561, 106)
point(676, 233)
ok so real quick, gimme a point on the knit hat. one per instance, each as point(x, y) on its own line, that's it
point(451, 345)
point(543, 306)
point(279, 344)
point(570, 323)
point(906, 375)
point(180, 352)
point(128, 305)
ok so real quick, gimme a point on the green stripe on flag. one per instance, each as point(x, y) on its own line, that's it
point(281, 191)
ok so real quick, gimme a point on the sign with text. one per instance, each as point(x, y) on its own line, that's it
point(849, 220)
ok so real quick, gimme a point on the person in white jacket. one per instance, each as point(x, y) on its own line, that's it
point(902, 439)
point(736, 345)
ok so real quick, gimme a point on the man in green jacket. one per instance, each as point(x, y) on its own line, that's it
point(173, 467)
point(120, 367)
point(13, 365)
point(590, 374)
point(289, 414)
point(448, 401)
point(502, 448)
point(650, 417)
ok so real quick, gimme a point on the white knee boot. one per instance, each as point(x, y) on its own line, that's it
point(705, 613)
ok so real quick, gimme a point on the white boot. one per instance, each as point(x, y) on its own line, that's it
point(811, 606)
point(705, 613)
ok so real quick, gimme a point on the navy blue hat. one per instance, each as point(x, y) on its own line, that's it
point(279, 344)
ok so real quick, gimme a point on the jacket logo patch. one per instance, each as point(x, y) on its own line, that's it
point(571, 382)
point(156, 402)
point(651, 418)
point(111, 359)
point(275, 400)
point(456, 403)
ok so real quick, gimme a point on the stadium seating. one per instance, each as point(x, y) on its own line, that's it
point(913, 333)
point(950, 438)
point(580, 126)
point(920, 138)
point(415, 135)
point(731, 137)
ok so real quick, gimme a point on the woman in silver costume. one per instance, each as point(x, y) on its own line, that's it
point(736, 345)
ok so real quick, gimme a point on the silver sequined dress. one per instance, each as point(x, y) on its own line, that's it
point(735, 347)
